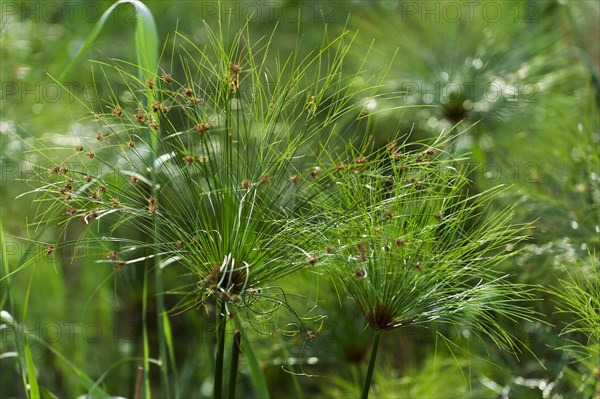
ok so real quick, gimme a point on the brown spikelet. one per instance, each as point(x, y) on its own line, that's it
point(50, 250)
point(202, 127)
point(188, 159)
point(341, 166)
point(140, 115)
point(117, 111)
point(235, 69)
point(360, 273)
point(265, 180)
point(119, 264)
point(152, 207)
point(196, 101)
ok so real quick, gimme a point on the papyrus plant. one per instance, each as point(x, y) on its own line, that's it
point(214, 171)
point(411, 246)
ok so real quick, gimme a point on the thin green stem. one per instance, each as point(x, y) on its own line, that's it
point(221, 324)
point(365, 393)
point(235, 356)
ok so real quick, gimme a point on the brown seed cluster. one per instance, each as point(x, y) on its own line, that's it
point(157, 106)
point(196, 101)
point(152, 124)
point(202, 127)
point(58, 170)
point(362, 249)
point(152, 207)
point(360, 273)
point(340, 166)
point(233, 78)
point(50, 250)
point(266, 180)
point(394, 151)
point(189, 160)
point(117, 111)
point(140, 115)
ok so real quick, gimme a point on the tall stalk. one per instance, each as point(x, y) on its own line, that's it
point(159, 286)
point(365, 393)
point(235, 355)
point(220, 329)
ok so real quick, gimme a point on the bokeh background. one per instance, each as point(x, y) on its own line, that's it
point(521, 77)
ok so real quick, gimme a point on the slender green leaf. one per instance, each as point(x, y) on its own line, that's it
point(146, 39)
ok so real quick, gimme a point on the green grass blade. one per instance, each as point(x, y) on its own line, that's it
point(7, 295)
point(46, 394)
point(258, 378)
point(146, 39)
point(169, 341)
point(34, 389)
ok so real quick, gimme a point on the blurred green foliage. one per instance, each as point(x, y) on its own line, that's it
point(524, 85)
